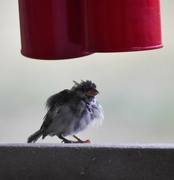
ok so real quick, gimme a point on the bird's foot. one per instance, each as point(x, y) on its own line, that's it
point(80, 141)
point(64, 140)
point(67, 141)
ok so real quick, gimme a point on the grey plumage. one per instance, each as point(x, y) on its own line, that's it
point(70, 111)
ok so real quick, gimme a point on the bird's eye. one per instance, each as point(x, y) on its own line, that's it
point(82, 89)
point(87, 89)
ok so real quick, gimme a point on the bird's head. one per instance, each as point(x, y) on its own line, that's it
point(87, 88)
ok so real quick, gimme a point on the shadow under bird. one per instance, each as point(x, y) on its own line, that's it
point(69, 112)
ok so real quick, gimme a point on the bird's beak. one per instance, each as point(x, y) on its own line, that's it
point(92, 92)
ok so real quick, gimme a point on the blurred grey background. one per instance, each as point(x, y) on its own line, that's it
point(136, 89)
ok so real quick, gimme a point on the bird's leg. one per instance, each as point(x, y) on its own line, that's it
point(81, 141)
point(64, 140)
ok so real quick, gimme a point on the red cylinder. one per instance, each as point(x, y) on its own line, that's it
point(122, 25)
point(52, 29)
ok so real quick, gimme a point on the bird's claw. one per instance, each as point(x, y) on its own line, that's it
point(81, 141)
point(78, 140)
point(67, 141)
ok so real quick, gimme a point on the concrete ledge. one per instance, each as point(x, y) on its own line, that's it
point(86, 161)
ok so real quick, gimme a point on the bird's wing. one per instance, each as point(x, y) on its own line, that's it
point(54, 103)
point(58, 99)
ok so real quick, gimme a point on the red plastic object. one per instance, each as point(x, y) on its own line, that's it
point(122, 25)
point(52, 29)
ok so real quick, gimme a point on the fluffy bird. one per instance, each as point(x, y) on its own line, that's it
point(69, 112)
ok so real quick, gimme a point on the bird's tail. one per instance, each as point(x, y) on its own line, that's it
point(34, 137)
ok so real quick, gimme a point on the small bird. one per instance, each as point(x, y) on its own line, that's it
point(69, 112)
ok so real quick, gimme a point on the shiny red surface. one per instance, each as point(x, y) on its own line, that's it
point(52, 29)
point(122, 25)
point(61, 29)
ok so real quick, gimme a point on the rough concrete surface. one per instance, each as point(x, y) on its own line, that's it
point(76, 161)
